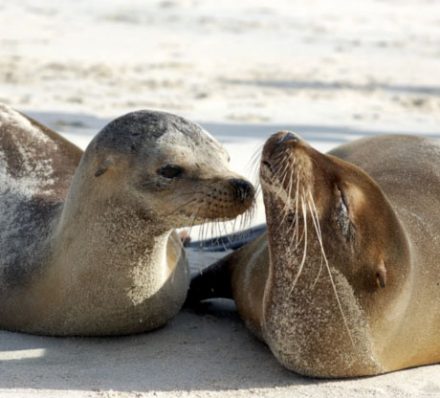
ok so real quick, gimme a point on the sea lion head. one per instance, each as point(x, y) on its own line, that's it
point(168, 168)
point(339, 211)
point(339, 258)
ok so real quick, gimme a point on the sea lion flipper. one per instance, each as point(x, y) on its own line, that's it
point(221, 279)
point(34, 158)
point(214, 281)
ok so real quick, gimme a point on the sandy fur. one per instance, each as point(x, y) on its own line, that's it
point(95, 252)
point(385, 328)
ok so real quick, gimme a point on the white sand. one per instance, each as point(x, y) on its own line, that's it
point(198, 356)
point(369, 63)
point(330, 70)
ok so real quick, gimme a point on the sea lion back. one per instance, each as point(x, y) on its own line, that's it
point(36, 167)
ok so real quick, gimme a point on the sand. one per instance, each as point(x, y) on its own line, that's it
point(193, 356)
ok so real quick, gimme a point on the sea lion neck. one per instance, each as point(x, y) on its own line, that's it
point(111, 253)
point(91, 211)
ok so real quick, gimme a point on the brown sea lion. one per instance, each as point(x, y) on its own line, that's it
point(87, 241)
point(346, 280)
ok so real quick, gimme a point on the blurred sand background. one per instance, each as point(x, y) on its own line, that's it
point(329, 70)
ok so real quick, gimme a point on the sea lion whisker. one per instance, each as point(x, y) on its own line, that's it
point(239, 225)
point(245, 219)
point(315, 217)
point(278, 161)
point(279, 157)
point(296, 237)
point(287, 167)
point(279, 177)
point(192, 193)
point(297, 200)
point(212, 228)
point(319, 233)
point(318, 274)
point(296, 241)
point(218, 229)
point(297, 197)
point(289, 192)
point(288, 203)
point(193, 218)
point(319, 236)
point(287, 212)
point(173, 211)
point(283, 176)
point(202, 232)
point(254, 167)
point(303, 260)
point(256, 156)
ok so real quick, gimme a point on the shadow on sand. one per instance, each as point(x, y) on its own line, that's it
point(193, 352)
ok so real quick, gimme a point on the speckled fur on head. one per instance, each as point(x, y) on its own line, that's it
point(133, 131)
point(88, 243)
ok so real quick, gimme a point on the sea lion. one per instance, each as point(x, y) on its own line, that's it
point(87, 241)
point(346, 280)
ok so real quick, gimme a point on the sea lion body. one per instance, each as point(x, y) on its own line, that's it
point(364, 299)
point(87, 240)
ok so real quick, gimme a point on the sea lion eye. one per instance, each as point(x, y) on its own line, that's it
point(170, 171)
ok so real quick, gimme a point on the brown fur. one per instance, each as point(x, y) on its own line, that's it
point(383, 263)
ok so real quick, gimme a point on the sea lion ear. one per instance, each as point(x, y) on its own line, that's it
point(381, 275)
point(103, 167)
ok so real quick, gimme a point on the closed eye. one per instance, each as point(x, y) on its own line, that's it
point(343, 215)
point(343, 203)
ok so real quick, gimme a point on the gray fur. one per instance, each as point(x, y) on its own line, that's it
point(131, 132)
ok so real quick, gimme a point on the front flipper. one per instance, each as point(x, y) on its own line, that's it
point(223, 279)
point(212, 282)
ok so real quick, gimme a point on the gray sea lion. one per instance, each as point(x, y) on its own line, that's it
point(87, 241)
point(346, 280)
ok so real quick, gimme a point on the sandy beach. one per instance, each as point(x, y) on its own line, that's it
point(194, 356)
point(331, 71)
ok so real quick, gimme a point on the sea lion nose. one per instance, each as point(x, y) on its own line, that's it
point(243, 189)
point(288, 136)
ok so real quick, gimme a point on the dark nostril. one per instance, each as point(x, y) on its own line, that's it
point(243, 189)
point(289, 137)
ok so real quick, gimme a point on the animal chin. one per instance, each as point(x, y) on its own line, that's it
point(229, 213)
point(214, 213)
